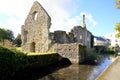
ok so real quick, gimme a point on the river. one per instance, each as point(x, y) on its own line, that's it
point(79, 72)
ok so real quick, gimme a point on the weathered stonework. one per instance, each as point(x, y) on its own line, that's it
point(60, 37)
point(82, 35)
point(75, 52)
point(35, 31)
point(77, 35)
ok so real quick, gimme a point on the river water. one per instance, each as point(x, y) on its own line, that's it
point(79, 72)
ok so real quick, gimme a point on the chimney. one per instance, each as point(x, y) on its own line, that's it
point(83, 21)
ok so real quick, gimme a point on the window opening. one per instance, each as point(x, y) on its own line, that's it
point(25, 36)
point(35, 15)
point(32, 47)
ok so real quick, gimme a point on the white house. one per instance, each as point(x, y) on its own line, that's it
point(100, 41)
point(113, 39)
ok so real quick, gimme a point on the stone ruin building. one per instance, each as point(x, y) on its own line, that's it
point(36, 37)
point(35, 31)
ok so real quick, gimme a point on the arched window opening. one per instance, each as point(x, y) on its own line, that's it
point(81, 37)
point(35, 15)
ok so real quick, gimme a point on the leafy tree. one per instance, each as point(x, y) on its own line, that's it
point(9, 35)
point(118, 4)
point(2, 34)
point(117, 28)
point(17, 40)
point(6, 34)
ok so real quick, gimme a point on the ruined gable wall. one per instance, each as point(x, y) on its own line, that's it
point(36, 27)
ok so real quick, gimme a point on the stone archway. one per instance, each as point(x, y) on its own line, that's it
point(32, 47)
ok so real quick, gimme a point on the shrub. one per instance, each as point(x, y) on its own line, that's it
point(109, 51)
point(11, 61)
point(91, 57)
point(7, 62)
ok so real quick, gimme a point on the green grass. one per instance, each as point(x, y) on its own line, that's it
point(45, 53)
point(18, 48)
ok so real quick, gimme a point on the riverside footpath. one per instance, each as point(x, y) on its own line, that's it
point(112, 72)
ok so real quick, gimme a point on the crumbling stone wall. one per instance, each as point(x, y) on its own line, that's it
point(77, 35)
point(71, 37)
point(35, 31)
point(60, 37)
point(6, 43)
point(82, 35)
point(75, 52)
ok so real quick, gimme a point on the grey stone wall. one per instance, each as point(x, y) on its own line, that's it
point(71, 37)
point(60, 37)
point(73, 51)
point(82, 35)
point(78, 34)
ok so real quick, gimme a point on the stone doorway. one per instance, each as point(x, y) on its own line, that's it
point(32, 47)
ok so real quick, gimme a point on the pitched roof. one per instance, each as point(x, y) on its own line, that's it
point(100, 38)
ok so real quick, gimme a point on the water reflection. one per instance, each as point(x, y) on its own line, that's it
point(79, 72)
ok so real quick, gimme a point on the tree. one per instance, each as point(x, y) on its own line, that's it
point(117, 28)
point(118, 4)
point(9, 35)
point(18, 41)
point(6, 34)
point(2, 34)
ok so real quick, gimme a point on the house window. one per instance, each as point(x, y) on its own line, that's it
point(88, 39)
point(35, 15)
point(80, 36)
